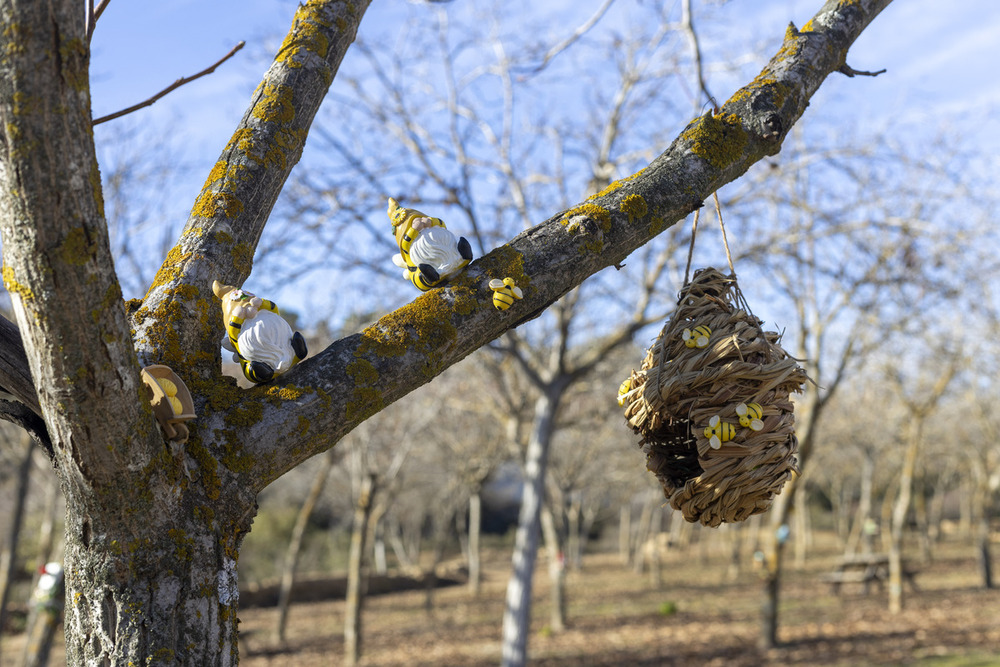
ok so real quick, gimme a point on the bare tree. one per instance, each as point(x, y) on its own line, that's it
point(851, 275)
point(920, 403)
point(153, 532)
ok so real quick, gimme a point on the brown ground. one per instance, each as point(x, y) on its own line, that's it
point(614, 619)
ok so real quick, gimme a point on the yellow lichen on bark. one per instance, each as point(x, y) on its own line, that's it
point(635, 207)
point(275, 104)
point(719, 140)
point(305, 36)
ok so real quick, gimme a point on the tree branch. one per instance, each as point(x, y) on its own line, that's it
point(354, 378)
point(15, 374)
point(19, 414)
point(179, 323)
point(172, 87)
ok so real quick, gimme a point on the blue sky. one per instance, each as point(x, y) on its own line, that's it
point(940, 67)
point(941, 63)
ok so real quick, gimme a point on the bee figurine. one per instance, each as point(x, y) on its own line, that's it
point(623, 389)
point(428, 253)
point(698, 337)
point(505, 292)
point(751, 416)
point(719, 432)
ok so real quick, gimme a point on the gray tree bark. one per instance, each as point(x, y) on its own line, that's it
point(153, 531)
point(355, 582)
point(517, 613)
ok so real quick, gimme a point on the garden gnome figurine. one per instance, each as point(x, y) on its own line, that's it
point(259, 338)
point(428, 253)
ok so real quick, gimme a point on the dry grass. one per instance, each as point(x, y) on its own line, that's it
point(615, 619)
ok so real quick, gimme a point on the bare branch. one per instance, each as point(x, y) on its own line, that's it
point(15, 374)
point(577, 34)
point(93, 15)
point(850, 72)
point(172, 87)
point(688, 25)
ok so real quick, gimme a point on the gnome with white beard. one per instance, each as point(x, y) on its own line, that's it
point(428, 253)
point(261, 341)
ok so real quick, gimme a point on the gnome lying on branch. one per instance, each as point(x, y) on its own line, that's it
point(259, 338)
point(428, 253)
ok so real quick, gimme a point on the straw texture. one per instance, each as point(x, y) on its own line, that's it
point(672, 398)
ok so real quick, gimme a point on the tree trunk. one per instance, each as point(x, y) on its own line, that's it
point(158, 587)
point(295, 542)
point(773, 570)
point(642, 532)
point(517, 612)
point(355, 592)
point(379, 555)
point(557, 572)
point(574, 538)
point(774, 544)
point(625, 533)
point(984, 496)
point(861, 530)
point(586, 526)
point(985, 557)
point(475, 528)
point(801, 517)
point(899, 512)
point(8, 557)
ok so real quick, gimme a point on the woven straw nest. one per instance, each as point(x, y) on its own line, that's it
point(685, 381)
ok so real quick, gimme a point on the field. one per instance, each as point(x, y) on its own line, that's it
point(616, 618)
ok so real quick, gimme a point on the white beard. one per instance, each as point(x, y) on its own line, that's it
point(268, 338)
point(439, 248)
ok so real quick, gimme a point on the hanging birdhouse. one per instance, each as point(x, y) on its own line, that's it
point(711, 404)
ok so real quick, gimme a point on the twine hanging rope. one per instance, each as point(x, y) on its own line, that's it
point(694, 233)
point(729, 471)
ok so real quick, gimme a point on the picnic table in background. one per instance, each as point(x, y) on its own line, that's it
point(865, 569)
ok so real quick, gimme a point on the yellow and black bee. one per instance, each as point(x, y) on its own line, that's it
point(623, 389)
point(505, 292)
point(719, 432)
point(751, 416)
point(698, 337)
